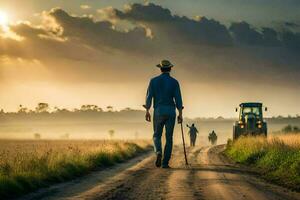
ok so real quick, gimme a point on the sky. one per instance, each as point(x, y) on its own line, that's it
point(225, 52)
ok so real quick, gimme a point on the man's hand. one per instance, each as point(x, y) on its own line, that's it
point(148, 116)
point(179, 119)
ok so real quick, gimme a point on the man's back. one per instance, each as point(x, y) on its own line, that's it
point(165, 91)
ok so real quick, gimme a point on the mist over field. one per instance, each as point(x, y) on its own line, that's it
point(91, 122)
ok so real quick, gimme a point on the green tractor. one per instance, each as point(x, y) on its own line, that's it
point(250, 121)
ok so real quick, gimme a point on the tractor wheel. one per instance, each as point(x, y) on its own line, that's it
point(265, 131)
point(235, 133)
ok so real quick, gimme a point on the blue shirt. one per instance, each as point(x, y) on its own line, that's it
point(165, 91)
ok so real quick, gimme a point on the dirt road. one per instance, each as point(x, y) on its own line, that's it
point(209, 176)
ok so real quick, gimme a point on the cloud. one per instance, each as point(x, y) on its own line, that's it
point(101, 34)
point(245, 34)
point(181, 29)
point(202, 31)
point(291, 40)
point(205, 49)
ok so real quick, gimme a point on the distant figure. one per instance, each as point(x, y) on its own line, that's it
point(212, 137)
point(165, 92)
point(193, 134)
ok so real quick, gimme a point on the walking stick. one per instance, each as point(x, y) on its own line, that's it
point(182, 134)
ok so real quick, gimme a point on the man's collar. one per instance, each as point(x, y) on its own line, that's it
point(166, 73)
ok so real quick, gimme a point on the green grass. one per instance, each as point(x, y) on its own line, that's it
point(276, 158)
point(26, 166)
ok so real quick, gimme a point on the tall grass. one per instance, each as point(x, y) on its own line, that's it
point(28, 165)
point(277, 158)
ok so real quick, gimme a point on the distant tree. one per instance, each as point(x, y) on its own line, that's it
point(291, 129)
point(76, 110)
point(128, 109)
point(37, 136)
point(42, 107)
point(109, 108)
point(97, 108)
point(31, 111)
point(63, 110)
point(83, 108)
point(56, 109)
point(89, 107)
point(22, 109)
point(296, 129)
point(111, 133)
point(287, 129)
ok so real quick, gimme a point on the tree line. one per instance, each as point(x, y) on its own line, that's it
point(290, 129)
point(92, 108)
point(45, 108)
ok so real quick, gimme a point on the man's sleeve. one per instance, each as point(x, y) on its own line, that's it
point(177, 96)
point(149, 96)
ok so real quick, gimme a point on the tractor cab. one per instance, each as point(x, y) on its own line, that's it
point(250, 120)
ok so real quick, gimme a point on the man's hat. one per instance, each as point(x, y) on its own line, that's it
point(165, 64)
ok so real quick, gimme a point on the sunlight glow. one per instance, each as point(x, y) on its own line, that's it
point(3, 19)
point(5, 32)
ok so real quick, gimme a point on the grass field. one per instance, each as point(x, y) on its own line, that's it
point(277, 158)
point(28, 165)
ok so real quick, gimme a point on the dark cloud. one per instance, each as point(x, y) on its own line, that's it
point(245, 34)
point(100, 34)
point(203, 31)
point(291, 40)
point(182, 29)
point(270, 37)
point(146, 13)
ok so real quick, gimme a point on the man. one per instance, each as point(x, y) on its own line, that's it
point(165, 91)
point(212, 137)
point(193, 134)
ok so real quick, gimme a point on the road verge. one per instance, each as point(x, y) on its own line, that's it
point(277, 159)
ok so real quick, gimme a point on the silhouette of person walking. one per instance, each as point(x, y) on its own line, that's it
point(212, 137)
point(193, 134)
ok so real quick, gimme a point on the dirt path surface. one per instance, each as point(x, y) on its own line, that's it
point(209, 176)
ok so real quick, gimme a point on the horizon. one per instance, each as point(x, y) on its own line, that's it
point(23, 109)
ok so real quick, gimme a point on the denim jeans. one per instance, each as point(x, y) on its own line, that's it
point(159, 122)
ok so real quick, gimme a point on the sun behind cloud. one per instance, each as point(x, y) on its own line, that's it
point(3, 18)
